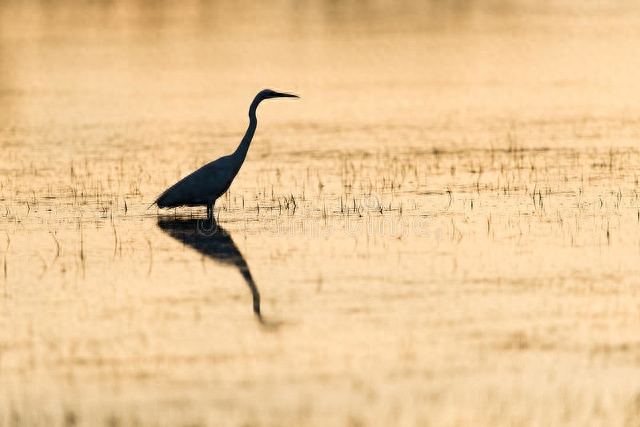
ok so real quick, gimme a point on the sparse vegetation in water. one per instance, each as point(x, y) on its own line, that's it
point(442, 239)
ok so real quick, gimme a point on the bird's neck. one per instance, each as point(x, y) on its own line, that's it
point(241, 152)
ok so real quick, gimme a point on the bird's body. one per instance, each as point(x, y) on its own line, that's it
point(202, 187)
point(205, 185)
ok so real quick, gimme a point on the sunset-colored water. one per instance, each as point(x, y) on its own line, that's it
point(443, 230)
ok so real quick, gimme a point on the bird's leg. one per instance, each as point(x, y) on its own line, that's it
point(208, 227)
point(210, 210)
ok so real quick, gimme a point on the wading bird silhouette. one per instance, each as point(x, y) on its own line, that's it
point(203, 186)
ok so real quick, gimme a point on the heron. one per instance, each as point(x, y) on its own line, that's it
point(205, 185)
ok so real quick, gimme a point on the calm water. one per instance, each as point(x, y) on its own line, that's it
point(444, 229)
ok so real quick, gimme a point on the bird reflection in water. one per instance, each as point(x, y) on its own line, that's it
point(212, 240)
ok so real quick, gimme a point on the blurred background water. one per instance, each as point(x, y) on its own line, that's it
point(443, 230)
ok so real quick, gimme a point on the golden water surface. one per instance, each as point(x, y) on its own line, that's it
point(443, 230)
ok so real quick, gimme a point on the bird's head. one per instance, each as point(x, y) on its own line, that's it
point(268, 93)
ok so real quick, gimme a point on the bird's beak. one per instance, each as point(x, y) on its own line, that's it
point(284, 95)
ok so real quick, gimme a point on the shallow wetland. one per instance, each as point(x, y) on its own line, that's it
point(443, 230)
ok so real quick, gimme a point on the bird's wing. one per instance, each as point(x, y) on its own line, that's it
point(200, 187)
